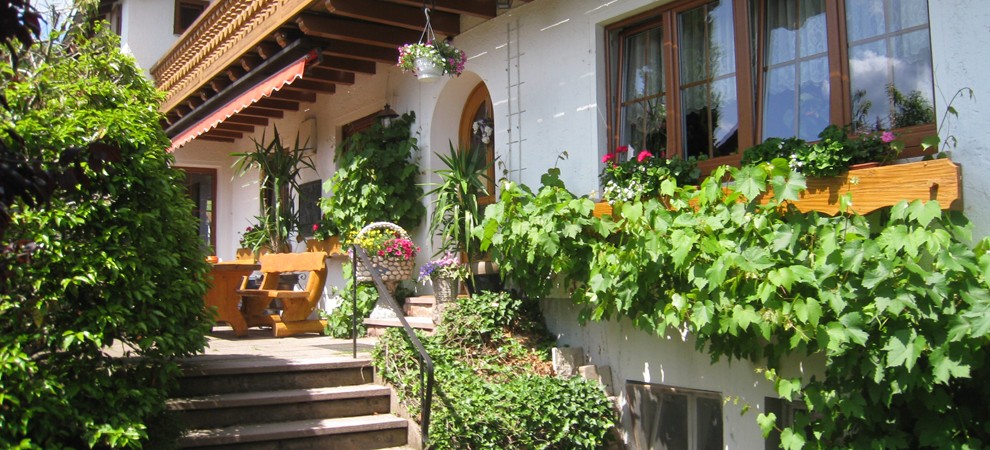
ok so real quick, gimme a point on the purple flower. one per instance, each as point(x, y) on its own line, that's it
point(887, 137)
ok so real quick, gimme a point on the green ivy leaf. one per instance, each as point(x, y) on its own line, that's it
point(945, 368)
point(790, 440)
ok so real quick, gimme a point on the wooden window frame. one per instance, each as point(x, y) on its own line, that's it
point(177, 26)
point(479, 96)
point(748, 29)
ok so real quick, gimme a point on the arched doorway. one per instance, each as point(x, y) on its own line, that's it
point(476, 132)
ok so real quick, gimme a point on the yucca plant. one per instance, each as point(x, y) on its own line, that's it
point(280, 167)
point(456, 210)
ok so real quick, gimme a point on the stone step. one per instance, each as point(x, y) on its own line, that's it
point(223, 410)
point(419, 306)
point(376, 327)
point(237, 375)
point(361, 432)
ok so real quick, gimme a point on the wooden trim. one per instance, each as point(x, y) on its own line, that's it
point(838, 63)
point(876, 188)
point(744, 82)
point(479, 96)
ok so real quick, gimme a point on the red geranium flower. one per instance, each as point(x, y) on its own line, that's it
point(643, 155)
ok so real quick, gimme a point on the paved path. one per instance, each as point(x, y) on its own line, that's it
point(222, 344)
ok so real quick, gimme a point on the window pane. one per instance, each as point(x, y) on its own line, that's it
point(725, 116)
point(812, 34)
point(644, 70)
point(868, 78)
point(779, 103)
point(912, 101)
point(890, 72)
point(709, 423)
point(814, 101)
point(864, 19)
point(709, 116)
point(781, 38)
point(795, 86)
point(693, 43)
point(643, 112)
point(672, 418)
point(722, 50)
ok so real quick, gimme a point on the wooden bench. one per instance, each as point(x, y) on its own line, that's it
point(296, 305)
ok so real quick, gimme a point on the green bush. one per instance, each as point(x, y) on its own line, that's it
point(376, 179)
point(118, 261)
point(487, 393)
point(339, 320)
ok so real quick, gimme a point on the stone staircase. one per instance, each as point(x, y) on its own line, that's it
point(418, 312)
point(269, 403)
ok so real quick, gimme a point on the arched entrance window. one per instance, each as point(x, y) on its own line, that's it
point(477, 133)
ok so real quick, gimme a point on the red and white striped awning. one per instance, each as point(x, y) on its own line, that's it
point(265, 88)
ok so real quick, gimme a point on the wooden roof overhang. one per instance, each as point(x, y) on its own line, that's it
point(236, 44)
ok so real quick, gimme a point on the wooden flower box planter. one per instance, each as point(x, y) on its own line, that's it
point(876, 187)
point(330, 246)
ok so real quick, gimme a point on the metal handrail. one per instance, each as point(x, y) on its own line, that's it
point(425, 362)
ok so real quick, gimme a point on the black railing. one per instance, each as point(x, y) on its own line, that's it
point(425, 362)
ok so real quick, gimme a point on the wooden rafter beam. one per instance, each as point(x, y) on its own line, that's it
point(485, 9)
point(299, 96)
point(329, 75)
point(208, 137)
point(354, 31)
point(230, 126)
point(248, 120)
point(310, 85)
point(348, 65)
point(400, 16)
point(266, 49)
point(275, 103)
point(250, 61)
point(262, 112)
point(354, 50)
point(224, 133)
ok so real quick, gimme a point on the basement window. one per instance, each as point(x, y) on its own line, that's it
point(669, 418)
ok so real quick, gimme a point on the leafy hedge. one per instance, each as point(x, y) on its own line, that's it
point(898, 304)
point(376, 179)
point(487, 392)
point(118, 261)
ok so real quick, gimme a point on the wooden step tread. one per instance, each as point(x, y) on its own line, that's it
point(206, 367)
point(278, 397)
point(290, 430)
point(422, 323)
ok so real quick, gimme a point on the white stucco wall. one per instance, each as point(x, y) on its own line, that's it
point(960, 30)
point(146, 29)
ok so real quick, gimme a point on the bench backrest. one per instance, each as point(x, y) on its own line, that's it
point(293, 262)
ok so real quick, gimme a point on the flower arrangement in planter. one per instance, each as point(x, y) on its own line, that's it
point(326, 237)
point(447, 267)
point(835, 153)
point(391, 252)
point(445, 274)
point(432, 59)
point(644, 175)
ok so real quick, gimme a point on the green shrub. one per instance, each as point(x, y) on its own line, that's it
point(488, 393)
point(118, 261)
point(339, 320)
point(376, 179)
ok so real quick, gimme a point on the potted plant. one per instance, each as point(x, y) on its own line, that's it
point(837, 151)
point(253, 240)
point(280, 167)
point(455, 203)
point(326, 237)
point(643, 175)
point(445, 274)
point(431, 60)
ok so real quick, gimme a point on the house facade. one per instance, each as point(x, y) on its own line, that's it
point(564, 82)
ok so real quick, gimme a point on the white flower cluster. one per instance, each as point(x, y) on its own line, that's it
point(615, 192)
point(483, 130)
